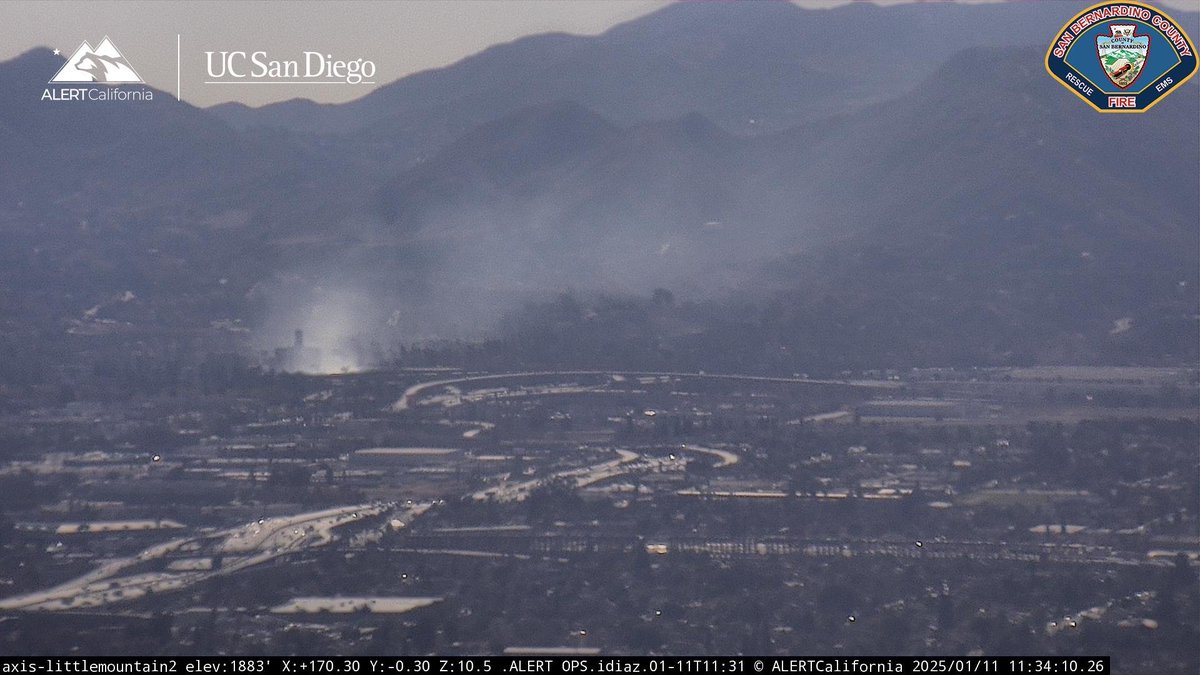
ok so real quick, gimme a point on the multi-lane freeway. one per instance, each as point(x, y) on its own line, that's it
point(408, 399)
point(238, 548)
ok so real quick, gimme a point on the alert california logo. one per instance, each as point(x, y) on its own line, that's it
point(102, 65)
point(1121, 56)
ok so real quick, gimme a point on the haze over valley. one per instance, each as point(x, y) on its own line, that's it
point(440, 204)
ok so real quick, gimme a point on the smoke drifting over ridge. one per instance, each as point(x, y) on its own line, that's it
point(461, 278)
point(549, 199)
point(886, 198)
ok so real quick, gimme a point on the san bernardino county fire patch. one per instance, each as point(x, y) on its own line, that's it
point(1121, 56)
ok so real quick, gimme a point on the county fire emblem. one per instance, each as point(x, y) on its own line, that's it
point(1121, 56)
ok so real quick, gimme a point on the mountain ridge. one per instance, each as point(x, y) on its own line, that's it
point(997, 214)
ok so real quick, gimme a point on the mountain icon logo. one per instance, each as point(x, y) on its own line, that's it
point(103, 64)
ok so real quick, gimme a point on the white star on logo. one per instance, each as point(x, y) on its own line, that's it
point(57, 52)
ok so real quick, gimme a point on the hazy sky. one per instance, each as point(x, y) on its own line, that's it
point(399, 37)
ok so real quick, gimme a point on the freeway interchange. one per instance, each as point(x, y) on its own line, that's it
point(187, 561)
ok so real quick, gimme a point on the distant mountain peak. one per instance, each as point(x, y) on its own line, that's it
point(693, 127)
point(31, 64)
point(562, 124)
point(39, 53)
